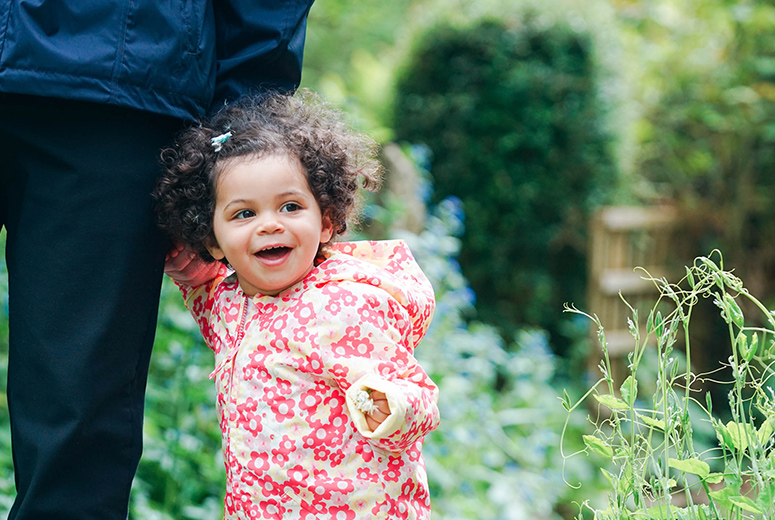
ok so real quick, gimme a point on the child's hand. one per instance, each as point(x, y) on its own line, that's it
point(377, 417)
point(185, 267)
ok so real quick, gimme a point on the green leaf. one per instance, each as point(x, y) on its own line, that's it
point(565, 400)
point(660, 325)
point(723, 436)
point(654, 423)
point(709, 263)
point(734, 311)
point(629, 390)
point(714, 478)
point(754, 346)
point(612, 402)
point(598, 446)
point(722, 497)
point(690, 277)
point(608, 476)
point(624, 486)
point(742, 345)
point(739, 434)
point(663, 512)
point(693, 466)
point(719, 280)
point(746, 504)
point(747, 351)
point(765, 431)
point(650, 322)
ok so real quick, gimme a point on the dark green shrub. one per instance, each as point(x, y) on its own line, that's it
point(512, 116)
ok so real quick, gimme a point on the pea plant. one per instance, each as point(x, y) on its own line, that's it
point(652, 460)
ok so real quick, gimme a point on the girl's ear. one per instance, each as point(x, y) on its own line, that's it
point(327, 230)
point(212, 247)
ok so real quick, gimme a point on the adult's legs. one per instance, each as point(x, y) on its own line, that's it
point(85, 264)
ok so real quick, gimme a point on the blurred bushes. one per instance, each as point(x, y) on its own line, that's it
point(512, 116)
point(496, 452)
point(707, 139)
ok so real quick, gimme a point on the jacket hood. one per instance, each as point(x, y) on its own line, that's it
point(388, 265)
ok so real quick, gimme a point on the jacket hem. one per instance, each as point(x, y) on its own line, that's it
point(80, 88)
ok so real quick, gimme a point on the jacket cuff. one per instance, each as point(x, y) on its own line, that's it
point(396, 400)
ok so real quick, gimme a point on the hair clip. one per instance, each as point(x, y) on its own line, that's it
point(217, 141)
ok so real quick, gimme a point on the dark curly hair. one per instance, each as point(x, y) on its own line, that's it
point(333, 156)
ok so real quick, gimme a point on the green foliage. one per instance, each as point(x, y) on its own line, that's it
point(339, 29)
point(648, 444)
point(512, 115)
point(349, 58)
point(707, 136)
point(494, 455)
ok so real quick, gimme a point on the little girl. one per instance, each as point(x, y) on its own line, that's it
point(322, 405)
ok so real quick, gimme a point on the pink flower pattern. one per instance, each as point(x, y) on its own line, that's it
point(293, 446)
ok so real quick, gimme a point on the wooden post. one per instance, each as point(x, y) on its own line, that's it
point(623, 238)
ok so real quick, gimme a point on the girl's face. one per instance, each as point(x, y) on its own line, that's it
point(267, 223)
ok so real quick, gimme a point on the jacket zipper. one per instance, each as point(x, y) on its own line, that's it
point(238, 340)
point(241, 328)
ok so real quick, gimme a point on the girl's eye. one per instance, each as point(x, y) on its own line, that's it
point(245, 213)
point(290, 207)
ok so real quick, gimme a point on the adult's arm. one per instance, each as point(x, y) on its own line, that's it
point(259, 46)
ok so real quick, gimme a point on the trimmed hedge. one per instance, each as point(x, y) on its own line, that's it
point(512, 116)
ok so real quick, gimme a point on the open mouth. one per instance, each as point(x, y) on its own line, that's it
point(273, 253)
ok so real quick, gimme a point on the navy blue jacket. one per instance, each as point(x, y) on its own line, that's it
point(173, 57)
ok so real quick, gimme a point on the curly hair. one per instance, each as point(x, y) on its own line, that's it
point(333, 156)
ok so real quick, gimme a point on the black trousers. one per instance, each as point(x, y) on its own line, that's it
point(85, 264)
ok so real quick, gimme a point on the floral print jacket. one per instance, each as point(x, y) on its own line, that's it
point(287, 370)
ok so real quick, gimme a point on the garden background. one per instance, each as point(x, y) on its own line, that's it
point(506, 124)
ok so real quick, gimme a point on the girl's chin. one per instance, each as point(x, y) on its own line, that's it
point(272, 287)
point(272, 290)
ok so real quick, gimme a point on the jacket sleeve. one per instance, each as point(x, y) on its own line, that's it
point(199, 302)
point(368, 346)
point(259, 46)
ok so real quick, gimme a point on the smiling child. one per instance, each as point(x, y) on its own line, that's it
point(322, 405)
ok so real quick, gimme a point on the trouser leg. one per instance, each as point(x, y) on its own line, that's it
point(85, 264)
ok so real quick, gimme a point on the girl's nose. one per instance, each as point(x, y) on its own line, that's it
point(269, 225)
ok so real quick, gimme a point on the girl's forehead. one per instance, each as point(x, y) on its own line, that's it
point(238, 173)
point(224, 166)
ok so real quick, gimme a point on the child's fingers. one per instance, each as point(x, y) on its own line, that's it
point(377, 417)
point(380, 399)
point(176, 249)
point(374, 419)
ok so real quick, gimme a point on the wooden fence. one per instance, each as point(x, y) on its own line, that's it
point(623, 238)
